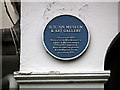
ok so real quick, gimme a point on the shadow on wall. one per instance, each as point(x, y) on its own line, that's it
point(112, 63)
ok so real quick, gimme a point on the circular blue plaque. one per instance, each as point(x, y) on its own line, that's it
point(66, 37)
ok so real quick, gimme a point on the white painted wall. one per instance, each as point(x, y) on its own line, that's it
point(119, 17)
point(66, 85)
point(102, 22)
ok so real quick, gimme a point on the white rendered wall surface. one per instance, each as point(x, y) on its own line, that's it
point(101, 19)
point(99, 86)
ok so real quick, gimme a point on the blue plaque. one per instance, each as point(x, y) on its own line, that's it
point(66, 37)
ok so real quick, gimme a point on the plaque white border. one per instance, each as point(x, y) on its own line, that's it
point(66, 58)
